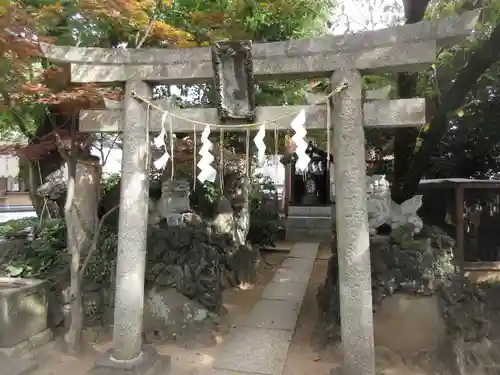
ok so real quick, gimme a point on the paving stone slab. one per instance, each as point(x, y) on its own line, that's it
point(306, 245)
point(214, 371)
point(288, 291)
point(296, 234)
point(298, 264)
point(304, 250)
point(280, 247)
point(16, 366)
point(255, 350)
point(273, 314)
point(297, 275)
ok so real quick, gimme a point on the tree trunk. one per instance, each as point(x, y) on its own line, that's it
point(81, 218)
point(405, 138)
point(28, 173)
point(32, 171)
point(479, 62)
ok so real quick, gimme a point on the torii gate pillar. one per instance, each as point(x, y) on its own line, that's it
point(132, 228)
point(353, 243)
point(129, 355)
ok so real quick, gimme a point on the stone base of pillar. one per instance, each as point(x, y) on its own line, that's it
point(149, 363)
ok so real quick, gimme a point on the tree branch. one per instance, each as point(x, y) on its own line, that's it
point(479, 62)
point(95, 240)
point(146, 33)
point(17, 117)
point(138, 44)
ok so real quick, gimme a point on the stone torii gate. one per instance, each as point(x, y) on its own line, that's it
point(344, 59)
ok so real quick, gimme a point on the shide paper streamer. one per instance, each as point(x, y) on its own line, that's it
point(302, 163)
point(159, 142)
point(207, 172)
point(258, 140)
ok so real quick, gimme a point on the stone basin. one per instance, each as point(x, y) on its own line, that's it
point(23, 309)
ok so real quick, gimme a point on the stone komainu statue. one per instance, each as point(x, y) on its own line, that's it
point(233, 217)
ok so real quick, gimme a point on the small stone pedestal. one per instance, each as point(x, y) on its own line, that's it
point(149, 363)
point(23, 320)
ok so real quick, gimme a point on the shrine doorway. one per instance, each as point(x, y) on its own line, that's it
point(311, 187)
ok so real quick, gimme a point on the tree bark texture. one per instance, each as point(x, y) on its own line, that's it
point(81, 216)
point(405, 138)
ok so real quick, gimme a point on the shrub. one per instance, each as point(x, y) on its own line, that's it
point(18, 227)
point(46, 257)
point(265, 222)
point(109, 181)
point(204, 198)
point(43, 258)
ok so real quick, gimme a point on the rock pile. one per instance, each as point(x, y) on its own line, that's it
point(420, 265)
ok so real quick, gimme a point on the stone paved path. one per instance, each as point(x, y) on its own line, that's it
point(259, 346)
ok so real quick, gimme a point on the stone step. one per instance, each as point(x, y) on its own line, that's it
point(314, 211)
point(308, 234)
point(300, 222)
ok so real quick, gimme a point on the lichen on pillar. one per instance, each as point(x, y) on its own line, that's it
point(132, 228)
point(352, 226)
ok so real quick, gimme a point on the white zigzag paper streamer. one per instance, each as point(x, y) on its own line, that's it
point(261, 146)
point(159, 142)
point(297, 124)
point(207, 172)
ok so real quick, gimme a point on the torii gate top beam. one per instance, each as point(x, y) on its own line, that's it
point(447, 31)
point(403, 48)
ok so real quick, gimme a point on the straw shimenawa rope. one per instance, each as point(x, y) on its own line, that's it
point(150, 104)
point(337, 90)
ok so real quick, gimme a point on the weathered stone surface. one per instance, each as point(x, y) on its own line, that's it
point(16, 366)
point(382, 210)
point(279, 246)
point(394, 113)
point(414, 56)
point(273, 314)
point(213, 371)
point(304, 250)
point(32, 343)
point(191, 259)
point(352, 227)
point(445, 31)
point(234, 81)
point(421, 266)
point(132, 226)
point(310, 211)
point(407, 324)
point(384, 113)
point(174, 198)
point(287, 290)
point(169, 314)
point(148, 363)
point(255, 350)
point(294, 270)
point(23, 303)
point(296, 275)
